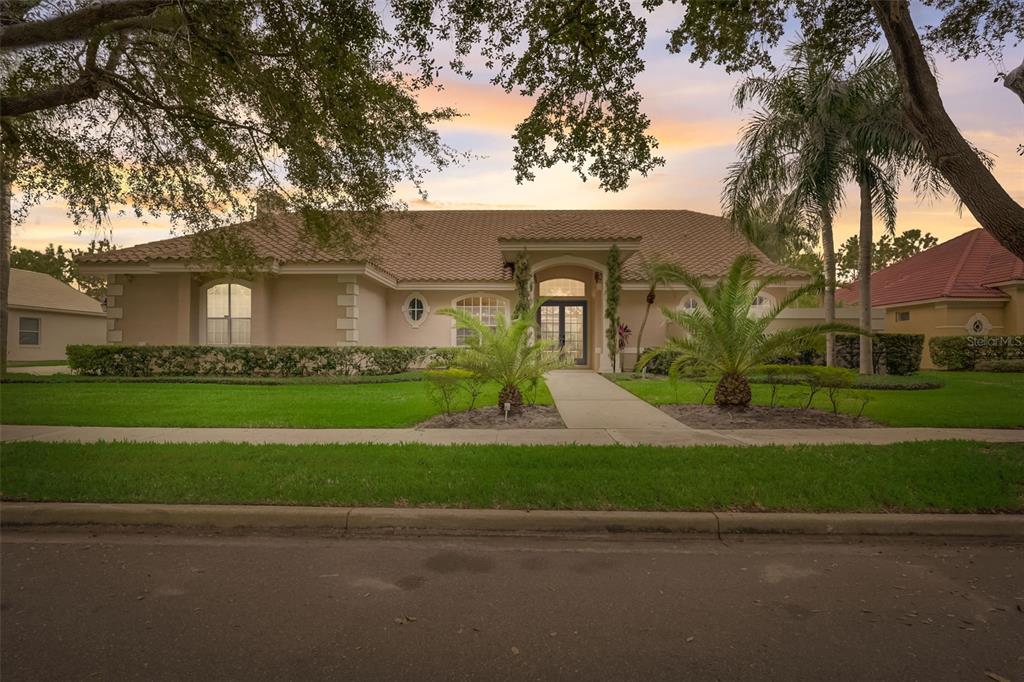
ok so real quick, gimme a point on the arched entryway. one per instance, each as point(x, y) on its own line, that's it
point(570, 317)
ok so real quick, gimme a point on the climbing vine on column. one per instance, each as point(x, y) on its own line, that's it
point(613, 290)
point(523, 284)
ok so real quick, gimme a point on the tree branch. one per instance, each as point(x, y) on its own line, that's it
point(1014, 81)
point(85, 87)
point(76, 25)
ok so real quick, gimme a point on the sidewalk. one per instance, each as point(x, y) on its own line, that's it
point(680, 436)
point(589, 401)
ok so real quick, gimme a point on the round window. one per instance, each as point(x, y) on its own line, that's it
point(978, 327)
point(416, 309)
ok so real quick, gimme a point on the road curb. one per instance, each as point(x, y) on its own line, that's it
point(506, 521)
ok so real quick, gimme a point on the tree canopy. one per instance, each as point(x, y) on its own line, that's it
point(888, 250)
point(188, 107)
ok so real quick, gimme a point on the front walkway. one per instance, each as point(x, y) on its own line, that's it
point(585, 436)
point(589, 401)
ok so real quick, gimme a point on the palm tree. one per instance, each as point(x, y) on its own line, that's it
point(821, 126)
point(507, 353)
point(656, 271)
point(791, 156)
point(882, 149)
point(724, 337)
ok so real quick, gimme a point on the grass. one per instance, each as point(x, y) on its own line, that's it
point(939, 476)
point(965, 399)
point(394, 404)
point(24, 378)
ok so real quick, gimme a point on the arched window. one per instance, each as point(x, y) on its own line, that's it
point(484, 308)
point(229, 315)
point(562, 287)
point(690, 304)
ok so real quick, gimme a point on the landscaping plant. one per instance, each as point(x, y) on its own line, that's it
point(612, 293)
point(726, 339)
point(507, 354)
point(656, 272)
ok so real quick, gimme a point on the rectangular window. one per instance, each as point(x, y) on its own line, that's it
point(903, 316)
point(29, 331)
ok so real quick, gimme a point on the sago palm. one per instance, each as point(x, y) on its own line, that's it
point(508, 354)
point(656, 272)
point(724, 337)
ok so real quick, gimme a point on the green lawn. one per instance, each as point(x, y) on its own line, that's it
point(395, 404)
point(966, 399)
point(951, 476)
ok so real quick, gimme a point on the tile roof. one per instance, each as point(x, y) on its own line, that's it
point(964, 267)
point(464, 245)
point(37, 290)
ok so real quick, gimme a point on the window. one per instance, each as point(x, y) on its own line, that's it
point(484, 308)
point(978, 324)
point(762, 304)
point(228, 315)
point(563, 287)
point(415, 310)
point(903, 316)
point(690, 304)
point(29, 331)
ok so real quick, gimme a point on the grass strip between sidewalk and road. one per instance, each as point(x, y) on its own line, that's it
point(937, 476)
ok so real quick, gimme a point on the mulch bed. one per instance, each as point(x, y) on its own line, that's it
point(759, 417)
point(529, 417)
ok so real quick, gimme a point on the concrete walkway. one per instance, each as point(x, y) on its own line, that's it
point(589, 401)
point(680, 436)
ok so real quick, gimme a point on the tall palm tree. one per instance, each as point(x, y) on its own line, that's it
point(656, 272)
point(822, 125)
point(507, 353)
point(791, 154)
point(727, 338)
point(882, 150)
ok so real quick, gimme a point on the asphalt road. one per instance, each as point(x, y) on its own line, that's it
point(193, 606)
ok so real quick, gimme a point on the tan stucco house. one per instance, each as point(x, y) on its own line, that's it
point(423, 261)
point(968, 285)
point(46, 315)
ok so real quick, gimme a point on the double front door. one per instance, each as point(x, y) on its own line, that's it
point(564, 324)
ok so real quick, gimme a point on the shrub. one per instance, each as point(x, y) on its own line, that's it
point(445, 386)
point(1000, 366)
point(898, 354)
point(964, 352)
point(257, 361)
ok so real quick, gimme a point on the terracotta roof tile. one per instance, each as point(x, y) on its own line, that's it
point(465, 245)
point(963, 267)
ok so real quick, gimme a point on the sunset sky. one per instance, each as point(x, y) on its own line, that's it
point(696, 127)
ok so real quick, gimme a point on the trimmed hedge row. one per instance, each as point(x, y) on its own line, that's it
point(1000, 366)
point(256, 361)
point(898, 354)
point(965, 352)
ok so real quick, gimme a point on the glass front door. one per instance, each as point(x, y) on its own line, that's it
point(564, 325)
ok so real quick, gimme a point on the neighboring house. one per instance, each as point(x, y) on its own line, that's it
point(422, 262)
point(968, 285)
point(46, 315)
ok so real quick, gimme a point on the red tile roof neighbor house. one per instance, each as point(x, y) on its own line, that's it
point(967, 267)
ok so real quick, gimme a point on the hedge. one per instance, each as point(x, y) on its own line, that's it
point(964, 352)
point(1000, 366)
point(898, 354)
point(257, 361)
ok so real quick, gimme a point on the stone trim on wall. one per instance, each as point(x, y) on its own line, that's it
point(115, 313)
point(348, 310)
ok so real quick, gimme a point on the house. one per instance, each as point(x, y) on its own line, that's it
point(422, 261)
point(968, 285)
point(46, 315)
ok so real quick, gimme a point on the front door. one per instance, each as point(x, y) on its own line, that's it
point(564, 324)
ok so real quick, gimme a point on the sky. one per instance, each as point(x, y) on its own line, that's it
point(697, 128)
